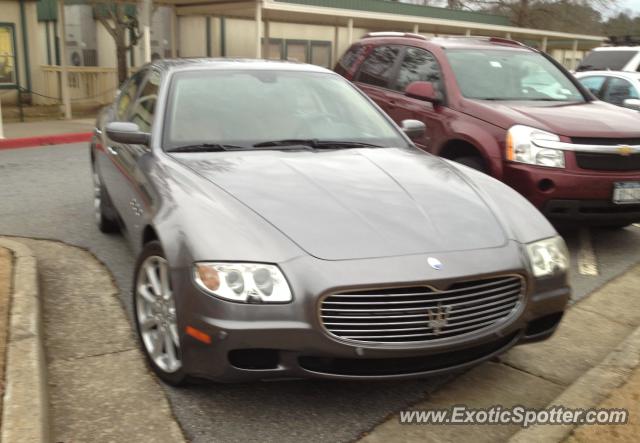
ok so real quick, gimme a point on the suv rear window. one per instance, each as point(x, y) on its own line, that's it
point(606, 60)
point(348, 62)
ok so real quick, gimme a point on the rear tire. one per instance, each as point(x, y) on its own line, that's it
point(472, 161)
point(104, 211)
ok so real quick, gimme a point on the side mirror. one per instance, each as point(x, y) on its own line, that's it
point(632, 103)
point(422, 91)
point(413, 128)
point(127, 133)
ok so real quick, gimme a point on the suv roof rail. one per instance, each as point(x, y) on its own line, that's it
point(484, 38)
point(394, 34)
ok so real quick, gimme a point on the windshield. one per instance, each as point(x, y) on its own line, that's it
point(500, 74)
point(248, 107)
point(606, 60)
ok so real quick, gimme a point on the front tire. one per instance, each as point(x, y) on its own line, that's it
point(155, 315)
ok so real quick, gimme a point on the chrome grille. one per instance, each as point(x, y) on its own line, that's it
point(413, 314)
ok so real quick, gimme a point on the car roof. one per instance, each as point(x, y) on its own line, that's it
point(626, 74)
point(617, 48)
point(446, 42)
point(188, 64)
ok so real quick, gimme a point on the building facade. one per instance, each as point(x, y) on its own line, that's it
point(312, 31)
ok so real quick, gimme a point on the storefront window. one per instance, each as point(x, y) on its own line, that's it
point(7, 55)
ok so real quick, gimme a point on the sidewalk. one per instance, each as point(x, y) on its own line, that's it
point(46, 132)
point(100, 389)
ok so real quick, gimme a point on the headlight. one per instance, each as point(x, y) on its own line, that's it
point(548, 257)
point(522, 147)
point(243, 282)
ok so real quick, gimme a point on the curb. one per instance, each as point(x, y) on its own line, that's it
point(25, 404)
point(590, 390)
point(43, 140)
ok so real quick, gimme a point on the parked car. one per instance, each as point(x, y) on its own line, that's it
point(617, 88)
point(612, 58)
point(512, 112)
point(286, 227)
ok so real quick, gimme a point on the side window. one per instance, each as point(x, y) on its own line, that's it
point(349, 60)
point(418, 65)
point(618, 90)
point(377, 68)
point(128, 94)
point(593, 84)
point(144, 108)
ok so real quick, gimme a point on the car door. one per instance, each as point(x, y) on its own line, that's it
point(116, 174)
point(418, 64)
point(375, 75)
point(138, 202)
point(594, 83)
point(617, 90)
point(109, 163)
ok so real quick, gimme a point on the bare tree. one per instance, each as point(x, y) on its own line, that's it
point(118, 22)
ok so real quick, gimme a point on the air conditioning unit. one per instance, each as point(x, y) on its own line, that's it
point(161, 33)
point(80, 35)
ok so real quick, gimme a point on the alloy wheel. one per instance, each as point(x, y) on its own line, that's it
point(156, 314)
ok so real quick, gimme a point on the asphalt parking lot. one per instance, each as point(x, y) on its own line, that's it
point(47, 193)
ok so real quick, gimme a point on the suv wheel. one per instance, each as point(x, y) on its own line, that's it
point(154, 311)
point(472, 161)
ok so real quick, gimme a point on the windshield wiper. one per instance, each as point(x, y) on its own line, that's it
point(316, 144)
point(205, 147)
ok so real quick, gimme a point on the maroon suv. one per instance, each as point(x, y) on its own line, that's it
point(512, 112)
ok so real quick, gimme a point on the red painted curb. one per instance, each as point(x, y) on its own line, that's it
point(43, 140)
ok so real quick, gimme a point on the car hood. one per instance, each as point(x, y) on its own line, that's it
point(356, 203)
point(592, 119)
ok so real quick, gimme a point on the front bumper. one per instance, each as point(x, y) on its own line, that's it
point(253, 342)
point(572, 194)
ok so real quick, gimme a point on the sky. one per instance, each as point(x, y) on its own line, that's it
point(633, 5)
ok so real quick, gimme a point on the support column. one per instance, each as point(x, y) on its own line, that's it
point(336, 45)
point(416, 29)
point(1, 129)
point(145, 14)
point(350, 31)
point(468, 33)
point(174, 32)
point(574, 60)
point(508, 35)
point(259, 29)
point(543, 46)
point(267, 37)
point(64, 77)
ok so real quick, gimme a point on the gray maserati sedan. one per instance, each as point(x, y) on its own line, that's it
point(285, 227)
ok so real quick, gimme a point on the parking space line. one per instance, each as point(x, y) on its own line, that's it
point(587, 263)
point(637, 225)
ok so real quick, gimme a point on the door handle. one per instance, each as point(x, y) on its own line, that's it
point(112, 150)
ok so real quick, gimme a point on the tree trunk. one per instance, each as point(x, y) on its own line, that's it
point(522, 15)
point(121, 57)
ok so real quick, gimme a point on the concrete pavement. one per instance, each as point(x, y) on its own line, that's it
point(100, 389)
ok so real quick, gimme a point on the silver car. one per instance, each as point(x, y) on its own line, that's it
point(285, 227)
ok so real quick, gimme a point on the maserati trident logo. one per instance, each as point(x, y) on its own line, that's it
point(438, 317)
point(625, 150)
point(434, 263)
